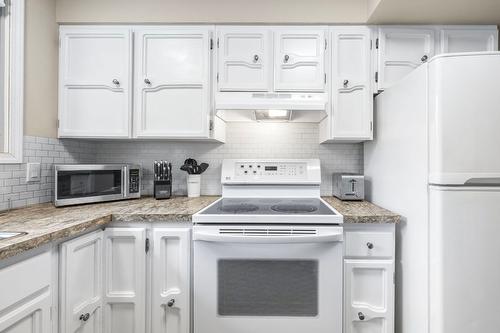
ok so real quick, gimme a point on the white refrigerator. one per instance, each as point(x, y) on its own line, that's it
point(435, 160)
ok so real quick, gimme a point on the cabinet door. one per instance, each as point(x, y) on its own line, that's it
point(94, 82)
point(172, 75)
point(171, 280)
point(81, 284)
point(244, 58)
point(124, 280)
point(368, 296)
point(401, 50)
point(299, 57)
point(352, 98)
point(26, 296)
point(468, 39)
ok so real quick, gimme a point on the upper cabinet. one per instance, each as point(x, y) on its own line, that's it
point(172, 82)
point(351, 86)
point(401, 50)
point(299, 58)
point(267, 59)
point(244, 58)
point(468, 39)
point(95, 82)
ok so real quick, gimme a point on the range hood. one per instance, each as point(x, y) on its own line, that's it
point(271, 107)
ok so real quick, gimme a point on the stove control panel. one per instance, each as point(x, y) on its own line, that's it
point(270, 171)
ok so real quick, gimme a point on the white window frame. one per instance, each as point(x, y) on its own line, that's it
point(14, 74)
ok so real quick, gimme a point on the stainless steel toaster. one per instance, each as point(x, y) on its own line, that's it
point(349, 186)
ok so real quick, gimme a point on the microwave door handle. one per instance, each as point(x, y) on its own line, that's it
point(124, 182)
point(217, 238)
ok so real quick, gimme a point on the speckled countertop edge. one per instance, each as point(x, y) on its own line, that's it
point(44, 223)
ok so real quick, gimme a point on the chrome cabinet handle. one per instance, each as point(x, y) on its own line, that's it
point(85, 317)
point(369, 245)
point(255, 58)
point(361, 316)
point(146, 81)
point(424, 58)
point(115, 81)
point(171, 303)
point(287, 57)
point(346, 83)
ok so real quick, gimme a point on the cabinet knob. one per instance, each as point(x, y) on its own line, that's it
point(369, 245)
point(85, 317)
point(361, 316)
point(171, 303)
point(346, 83)
point(115, 81)
point(287, 57)
point(255, 58)
point(424, 58)
point(146, 81)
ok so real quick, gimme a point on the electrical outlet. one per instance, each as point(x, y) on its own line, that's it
point(33, 172)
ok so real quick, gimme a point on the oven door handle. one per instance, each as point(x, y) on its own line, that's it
point(289, 239)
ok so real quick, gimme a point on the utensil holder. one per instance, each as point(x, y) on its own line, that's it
point(193, 185)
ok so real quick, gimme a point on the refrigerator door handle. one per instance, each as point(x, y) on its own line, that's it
point(491, 181)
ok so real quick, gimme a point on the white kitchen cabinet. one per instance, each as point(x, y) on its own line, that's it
point(94, 82)
point(244, 58)
point(26, 298)
point(124, 280)
point(81, 290)
point(351, 84)
point(369, 277)
point(401, 49)
point(455, 39)
point(299, 59)
point(369, 295)
point(170, 310)
point(172, 82)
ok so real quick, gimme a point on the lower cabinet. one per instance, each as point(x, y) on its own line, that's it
point(171, 280)
point(369, 280)
point(81, 275)
point(26, 304)
point(104, 277)
point(124, 287)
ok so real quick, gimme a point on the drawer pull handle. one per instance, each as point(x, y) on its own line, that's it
point(361, 316)
point(369, 245)
point(171, 303)
point(85, 317)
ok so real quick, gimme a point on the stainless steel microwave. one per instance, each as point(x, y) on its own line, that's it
point(86, 183)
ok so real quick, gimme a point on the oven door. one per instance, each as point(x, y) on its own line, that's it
point(267, 279)
point(78, 184)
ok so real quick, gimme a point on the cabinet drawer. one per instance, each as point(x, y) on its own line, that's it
point(369, 244)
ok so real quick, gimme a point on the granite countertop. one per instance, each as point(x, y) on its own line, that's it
point(45, 223)
point(362, 211)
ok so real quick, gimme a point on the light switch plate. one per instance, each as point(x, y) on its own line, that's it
point(33, 171)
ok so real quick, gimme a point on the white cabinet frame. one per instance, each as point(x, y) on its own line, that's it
point(12, 152)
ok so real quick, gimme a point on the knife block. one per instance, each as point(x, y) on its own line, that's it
point(162, 189)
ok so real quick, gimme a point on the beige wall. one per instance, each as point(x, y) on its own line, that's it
point(40, 73)
point(206, 11)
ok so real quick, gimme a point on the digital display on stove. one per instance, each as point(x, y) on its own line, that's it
point(271, 168)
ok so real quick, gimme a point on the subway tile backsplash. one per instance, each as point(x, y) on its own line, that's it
point(15, 192)
point(244, 140)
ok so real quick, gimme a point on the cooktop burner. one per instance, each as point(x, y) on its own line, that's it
point(238, 208)
point(294, 209)
point(269, 206)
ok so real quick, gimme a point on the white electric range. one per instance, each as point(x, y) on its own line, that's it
point(268, 254)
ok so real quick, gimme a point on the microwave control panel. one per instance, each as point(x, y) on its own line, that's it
point(134, 181)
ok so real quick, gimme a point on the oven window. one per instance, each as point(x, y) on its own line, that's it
point(81, 184)
point(268, 288)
